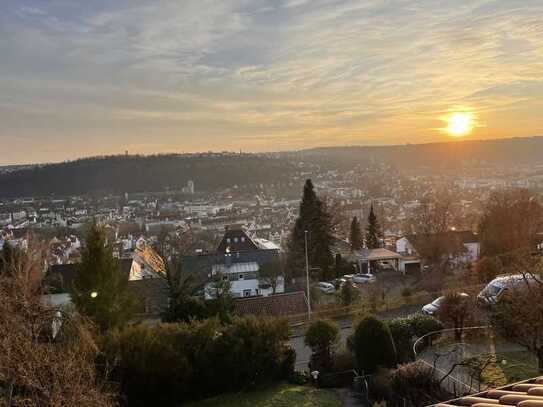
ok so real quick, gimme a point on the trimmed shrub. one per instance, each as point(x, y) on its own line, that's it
point(322, 337)
point(423, 324)
point(402, 335)
point(372, 345)
point(171, 363)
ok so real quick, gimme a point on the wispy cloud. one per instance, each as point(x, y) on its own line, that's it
point(261, 74)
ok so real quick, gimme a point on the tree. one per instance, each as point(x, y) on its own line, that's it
point(511, 220)
point(46, 356)
point(487, 268)
point(314, 218)
point(519, 315)
point(455, 311)
point(184, 289)
point(373, 231)
point(322, 337)
point(372, 345)
point(220, 303)
point(348, 294)
point(433, 237)
point(270, 273)
point(99, 288)
point(355, 236)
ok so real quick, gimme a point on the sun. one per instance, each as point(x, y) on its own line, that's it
point(460, 124)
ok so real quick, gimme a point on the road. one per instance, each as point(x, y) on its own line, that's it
point(303, 353)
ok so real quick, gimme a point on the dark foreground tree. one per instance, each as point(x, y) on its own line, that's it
point(46, 356)
point(100, 289)
point(355, 235)
point(372, 345)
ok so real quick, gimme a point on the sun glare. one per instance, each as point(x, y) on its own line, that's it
point(460, 124)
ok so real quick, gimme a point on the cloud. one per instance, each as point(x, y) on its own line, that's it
point(263, 74)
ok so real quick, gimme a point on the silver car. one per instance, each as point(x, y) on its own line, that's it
point(433, 307)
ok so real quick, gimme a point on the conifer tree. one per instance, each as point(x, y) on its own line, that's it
point(100, 290)
point(355, 236)
point(314, 219)
point(373, 231)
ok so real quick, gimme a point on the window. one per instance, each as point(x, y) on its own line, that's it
point(256, 291)
point(240, 277)
point(225, 278)
point(246, 293)
point(227, 240)
point(235, 240)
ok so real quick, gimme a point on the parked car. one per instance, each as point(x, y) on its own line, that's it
point(500, 286)
point(364, 278)
point(327, 288)
point(433, 307)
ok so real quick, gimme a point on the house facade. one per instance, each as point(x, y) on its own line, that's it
point(239, 258)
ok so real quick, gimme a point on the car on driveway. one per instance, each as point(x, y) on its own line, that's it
point(433, 307)
point(364, 278)
point(326, 288)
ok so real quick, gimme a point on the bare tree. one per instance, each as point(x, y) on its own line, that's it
point(46, 356)
point(519, 313)
point(456, 311)
point(270, 273)
point(433, 238)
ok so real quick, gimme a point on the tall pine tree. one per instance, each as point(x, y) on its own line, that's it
point(314, 218)
point(373, 231)
point(99, 288)
point(355, 236)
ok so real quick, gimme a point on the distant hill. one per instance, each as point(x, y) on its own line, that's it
point(211, 172)
point(119, 174)
point(447, 156)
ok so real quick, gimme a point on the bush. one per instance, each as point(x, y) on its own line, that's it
point(423, 324)
point(322, 337)
point(372, 345)
point(171, 363)
point(402, 334)
point(414, 384)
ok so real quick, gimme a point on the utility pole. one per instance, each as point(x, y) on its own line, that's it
point(307, 277)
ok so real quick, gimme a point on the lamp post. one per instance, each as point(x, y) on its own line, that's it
point(307, 278)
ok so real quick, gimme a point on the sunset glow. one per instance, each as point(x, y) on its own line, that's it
point(460, 124)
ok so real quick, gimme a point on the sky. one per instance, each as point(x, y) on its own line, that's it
point(94, 77)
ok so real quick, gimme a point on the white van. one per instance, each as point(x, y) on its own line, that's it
point(491, 294)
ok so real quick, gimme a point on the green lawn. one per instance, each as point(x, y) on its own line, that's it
point(282, 395)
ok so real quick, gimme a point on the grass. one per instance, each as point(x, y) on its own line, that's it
point(521, 365)
point(282, 395)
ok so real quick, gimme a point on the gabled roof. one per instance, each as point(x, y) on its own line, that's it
point(236, 239)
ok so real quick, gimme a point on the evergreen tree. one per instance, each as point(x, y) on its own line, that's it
point(373, 231)
point(355, 236)
point(314, 219)
point(99, 288)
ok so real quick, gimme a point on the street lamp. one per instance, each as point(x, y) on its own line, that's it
point(307, 278)
point(93, 294)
